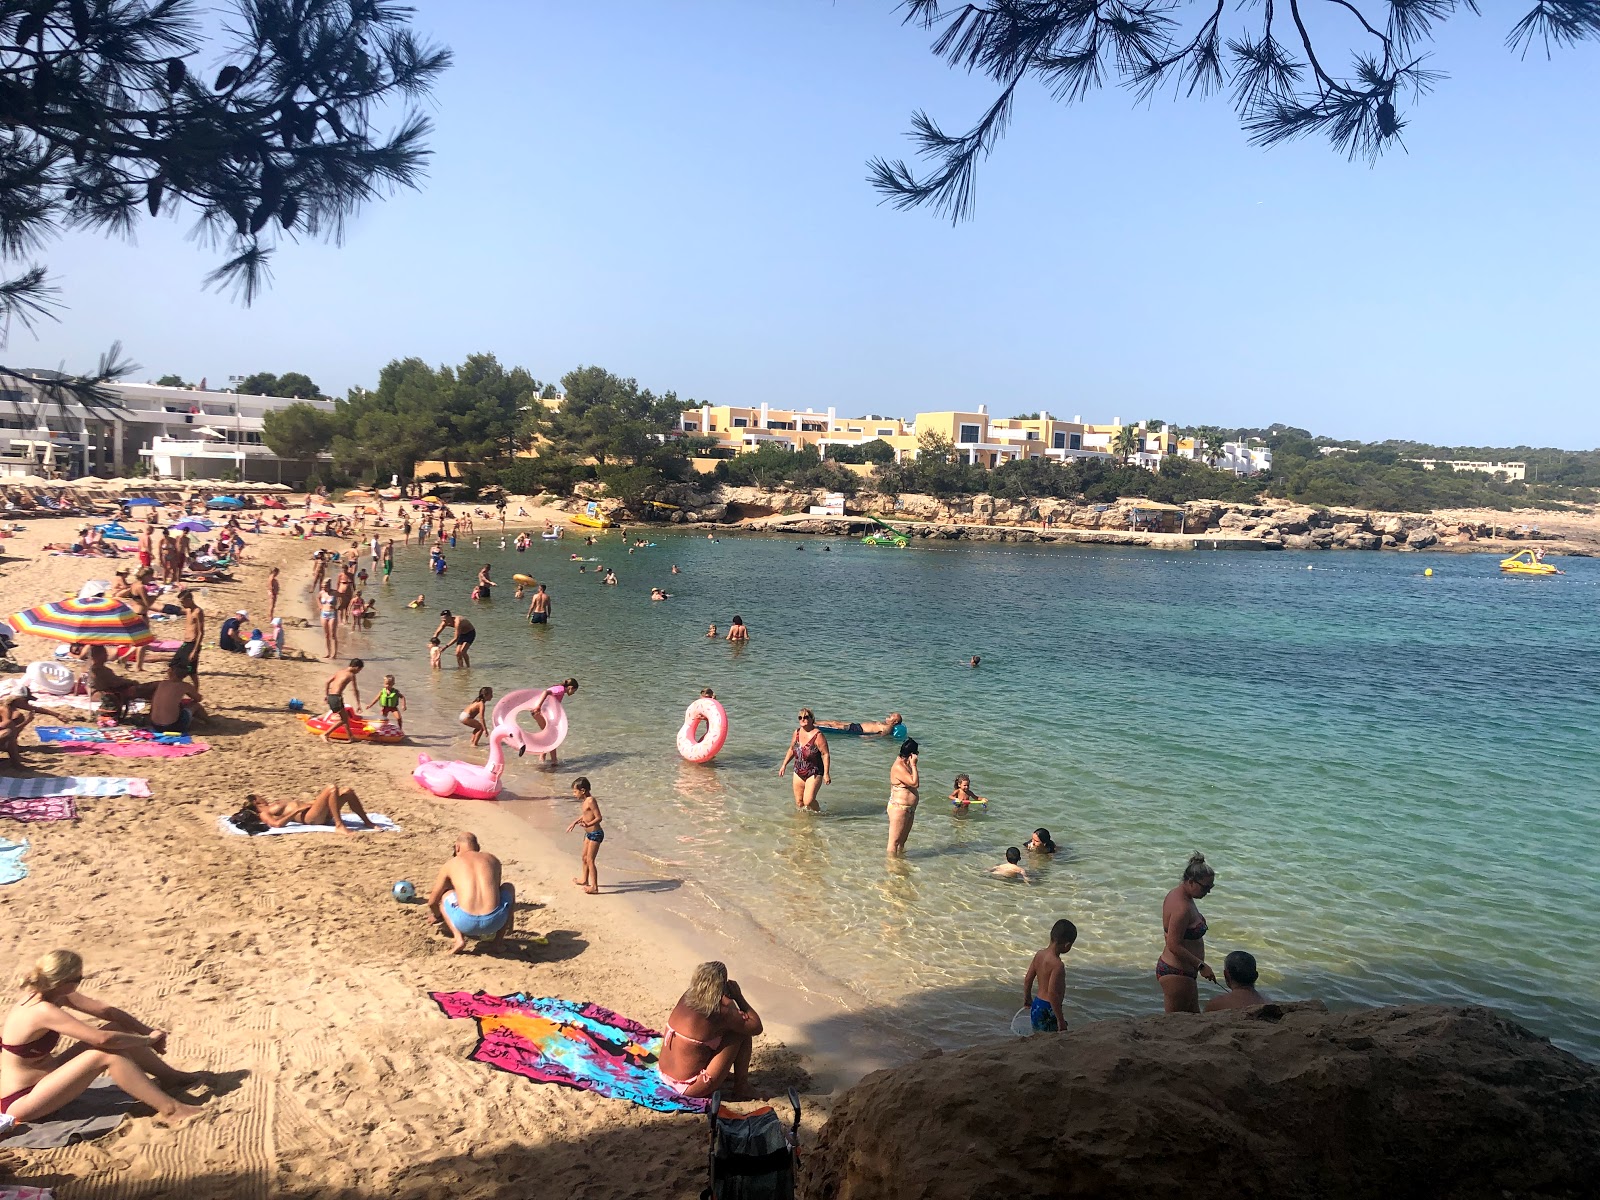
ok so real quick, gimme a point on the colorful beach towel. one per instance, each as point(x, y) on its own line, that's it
point(384, 824)
point(561, 1041)
point(82, 786)
point(12, 868)
point(41, 808)
point(121, 741)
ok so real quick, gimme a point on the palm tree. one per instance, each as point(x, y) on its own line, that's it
point(1215, 441)
point(1127, 443)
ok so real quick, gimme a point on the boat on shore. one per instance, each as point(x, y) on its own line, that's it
point(589, 522)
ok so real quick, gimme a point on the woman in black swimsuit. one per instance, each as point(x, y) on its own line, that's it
point(35, 1081)
point(808, 750)
point(1183, 957)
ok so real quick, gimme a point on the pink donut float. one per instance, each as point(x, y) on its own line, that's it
point(694, 746)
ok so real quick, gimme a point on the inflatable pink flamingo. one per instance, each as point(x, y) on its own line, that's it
point(483, 783)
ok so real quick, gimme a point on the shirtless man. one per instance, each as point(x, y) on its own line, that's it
point(335, 689)
point(865, 728)
point(103, 681)
point(323, 809)
point(469, 898)
point(1050, 973)
point(146, 552)
point(168, 714)
point(1239, 973)
point(462, 639)
point(15, 714)
point(539, 607)
point(194, 633)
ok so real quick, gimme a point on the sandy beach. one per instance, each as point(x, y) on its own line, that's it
point(284, 965)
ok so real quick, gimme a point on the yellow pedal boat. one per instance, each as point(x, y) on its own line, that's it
point(1526, 562)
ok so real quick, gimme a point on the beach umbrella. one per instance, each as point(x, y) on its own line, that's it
point(191, 525)
point(225, 502)
point(98, 621)
point(142, 502)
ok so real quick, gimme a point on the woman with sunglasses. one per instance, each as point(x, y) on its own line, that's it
point(1183, 958)
point(808, 750)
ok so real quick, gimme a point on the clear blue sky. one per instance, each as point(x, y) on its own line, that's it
point(676, 191)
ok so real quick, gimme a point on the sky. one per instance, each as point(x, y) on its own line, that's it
point(676, 191)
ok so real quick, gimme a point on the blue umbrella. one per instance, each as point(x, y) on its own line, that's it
point(225, 502)
point(142, 502)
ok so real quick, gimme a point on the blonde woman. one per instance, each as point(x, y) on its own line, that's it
point(35, 1081)
point(709, 1036)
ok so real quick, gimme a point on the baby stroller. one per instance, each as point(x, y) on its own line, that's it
point(753, 1157)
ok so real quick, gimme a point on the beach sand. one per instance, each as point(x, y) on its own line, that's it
point(284, 965)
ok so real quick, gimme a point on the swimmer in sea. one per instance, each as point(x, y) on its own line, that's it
point(963, 798)
point(1239, 973)
point(712, 632)
point(975, 661)
point(1012, 867)
point(886, 727)
point(1040, 842)
point(418, 602)
point(808, 750)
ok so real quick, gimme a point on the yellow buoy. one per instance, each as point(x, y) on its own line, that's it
point(523, 579)
point(1429, 571)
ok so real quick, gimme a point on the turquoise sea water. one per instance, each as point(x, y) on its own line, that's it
point(1393, 775)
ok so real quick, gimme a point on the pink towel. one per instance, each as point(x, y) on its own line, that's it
point(135, 749)
point(43, 808)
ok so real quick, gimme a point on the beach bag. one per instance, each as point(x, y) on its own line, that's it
point(753, 1157)
point(248, 820)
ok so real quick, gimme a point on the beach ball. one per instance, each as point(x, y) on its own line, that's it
point(404, 892)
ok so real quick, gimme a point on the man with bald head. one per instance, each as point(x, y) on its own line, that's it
point(469, 898)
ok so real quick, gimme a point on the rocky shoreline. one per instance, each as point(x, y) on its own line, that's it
point(1198, 524)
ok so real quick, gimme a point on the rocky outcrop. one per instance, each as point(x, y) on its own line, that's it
point(1278, 1102)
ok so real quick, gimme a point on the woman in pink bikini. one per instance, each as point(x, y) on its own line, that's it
point(709, 1035)
point(1183, 958)
point(35, 1081)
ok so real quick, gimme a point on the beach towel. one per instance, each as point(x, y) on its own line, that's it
point(122, 741)
point(94, 1114)
point(12, 868)
point(384, 824)
point(82, 786)
point(22, 1191)
point(42, 808)
point(562, 1041)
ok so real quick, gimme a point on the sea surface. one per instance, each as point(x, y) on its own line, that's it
point(1394, 775)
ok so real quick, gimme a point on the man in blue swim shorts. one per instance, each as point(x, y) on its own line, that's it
point(1050, 973)
point(469, 898)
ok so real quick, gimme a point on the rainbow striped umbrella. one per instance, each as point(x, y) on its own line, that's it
point(99, 621)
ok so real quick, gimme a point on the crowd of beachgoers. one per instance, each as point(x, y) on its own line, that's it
point(58, 1038)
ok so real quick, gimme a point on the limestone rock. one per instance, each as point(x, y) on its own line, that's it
point(1274, 1102)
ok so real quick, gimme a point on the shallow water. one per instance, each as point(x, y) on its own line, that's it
point(1392, 774)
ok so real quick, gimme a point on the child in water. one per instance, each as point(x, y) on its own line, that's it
point(712, 632)
point(435, 650)
point(418, 602)
point(962, 798)
point(1050, 973)
point(474, 715)
point(593, 835)
point(1012, 867)
point(391, 703)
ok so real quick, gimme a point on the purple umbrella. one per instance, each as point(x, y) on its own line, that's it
point(191, 525)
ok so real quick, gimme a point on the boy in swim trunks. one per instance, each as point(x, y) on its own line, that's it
point(334, 690)
point(1050, 973)
point(589, 817)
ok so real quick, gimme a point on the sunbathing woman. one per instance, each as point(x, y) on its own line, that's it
point(35, 1081)
point(709, 1036)
point(322, 810)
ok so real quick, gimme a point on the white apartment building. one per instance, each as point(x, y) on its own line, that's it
point(1511, 470)
point(181, 433)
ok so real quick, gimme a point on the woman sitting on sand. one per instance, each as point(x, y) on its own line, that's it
point(709, 1036)
point(1183, 958)
point(323, 809)
point(35, 1081)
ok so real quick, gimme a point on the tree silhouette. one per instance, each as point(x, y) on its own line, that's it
point(105, 118)
point(1276, 56)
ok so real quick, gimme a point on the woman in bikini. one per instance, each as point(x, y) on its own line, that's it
point(35, 1081)
point(323, 809)
point(1183, 958)
point(709, 1036)
point(330, 621)
point(475, 715)
point(808, 750)
point(903, 783)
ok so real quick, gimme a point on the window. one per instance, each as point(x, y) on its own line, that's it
point(809, 427)
point(881, 432)
point(1075, 442)
point(711, 428)
point(780, 424)
point(969, 435)
point(691, 427)
point(1061, 441)
point(740, 423)
point(855, 429)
